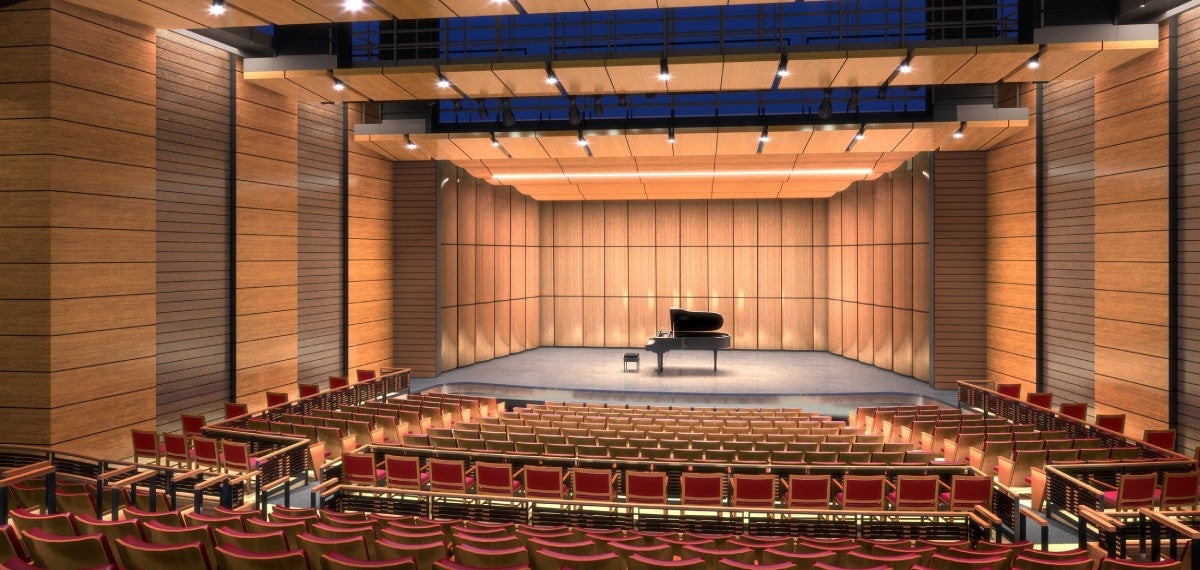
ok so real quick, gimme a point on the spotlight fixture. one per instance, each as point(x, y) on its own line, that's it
point(354, 5)
point(506, 113)
point(783, 63)
point(825, 111)
point(494, 141)
point(483, 110)
point(574, 117)
point(458, 105)
point(664, 73)
point(670, 135)
point(1033, 63)
point(961, 127)
point(762, 138)
point(551, 78)
point(217, 8)
point(581, 141)
point(882, 93)
point(905, 66)
point(597, 107)
point(409, 144)
point(622, 100)
point(861, 134)
point(852, 102)
point(338, 85)
point(442, 82)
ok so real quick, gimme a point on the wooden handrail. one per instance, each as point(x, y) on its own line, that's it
point(117, 472)
point(1170, 522)
point(128, 481)
point(40, 469)
point(205, 484)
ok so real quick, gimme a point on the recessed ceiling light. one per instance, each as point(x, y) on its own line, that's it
point(217, 8)
point(1034, 63)
point(355, 5)
point(409, 144)
point(664, 73)
point(338, 85)
point(442, 82)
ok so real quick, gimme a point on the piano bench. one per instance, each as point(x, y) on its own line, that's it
point(636, 359)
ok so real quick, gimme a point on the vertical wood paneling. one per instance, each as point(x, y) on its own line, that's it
point(1131, 201)
point(192, 366)
point(960, 269)
point(1012, 254)
point(1188, 219)
point(370, 285)
point(489, 253)
point(413, 228)
point(78, 241)
point(321, 294)
point(1068, 241)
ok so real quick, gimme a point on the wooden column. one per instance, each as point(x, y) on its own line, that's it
point(369, 286)
point(266, 251)
point(77, 254)
point(1132, 242)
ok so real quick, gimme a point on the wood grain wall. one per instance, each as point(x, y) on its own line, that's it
point(611, 270)
point(321, 241)
point(369, 286)
point(959, 267)
point(1188, 216)
point(1068, 240)
point(1012, 253)
point(77, 242)
point(489, 270)
point(1132, 241)
point(194, 309)
point(267, 262)
point(879, 286)
point(414, 232)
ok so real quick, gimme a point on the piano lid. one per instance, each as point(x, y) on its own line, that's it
point(694, 321)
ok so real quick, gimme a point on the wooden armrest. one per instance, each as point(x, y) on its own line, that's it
point(28, 472)
point(117, 472)
point(243, 478)
point(986, 514)
point(1035, 517)
point(205, 484)
point(74, 477)
point(187, 475)
point(329, 484)
point(134, 479)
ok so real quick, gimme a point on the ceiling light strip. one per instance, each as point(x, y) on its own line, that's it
point(686, 174)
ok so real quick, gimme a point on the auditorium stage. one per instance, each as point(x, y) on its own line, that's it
point(816, 381)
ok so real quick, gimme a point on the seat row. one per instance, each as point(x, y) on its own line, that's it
point(189, 451)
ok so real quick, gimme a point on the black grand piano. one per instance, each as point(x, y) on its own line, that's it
point(690, 330)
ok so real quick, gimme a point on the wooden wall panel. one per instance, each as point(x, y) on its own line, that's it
point(1188, 217)
point(64, 339)
point(960, 269)
point(1139, 150)
point(193, 312)
point(1068, 241)
point(321, 295)
point(490, 277)
point(1012, 253)
point(415, 342)
point(370, 285)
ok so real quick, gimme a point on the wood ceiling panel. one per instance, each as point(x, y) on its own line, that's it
point(478, 8)
point(371, 82)
point(477, 146)
point(631, 190)
point(415, 9)
point(192, 10)
point(276, 81)
point(562, 145)
point(476, 80)
point(583, 77)
point(755, 162)
point(525, 79)
point(280, 11)
point(649, 142)
point(933, 66)
point(634, 75)
point(1112, 55)
point(738, 140)
point(759, 189)
point(993, 63)
point(925, 136)
point(694, 73)
point(607, 145)
point(610, 165)
point(830, 139)
point(1054, 60)
point(787, 139)
point(881, 137)
point(545, 6)
point(604, 5)
point(369, 144)
point(868, 67)
point(148, 13)
point(689, 3)
point(676, 164)
point(436, 144)
point(976, 135)
point(693, 189)
point(335, 12)
point(807, 70)
point(397, 149)
point(812, 188)
point(521, 146)
point(692, 142)
point(746, 72)
point(320, 83)
point(420, 81)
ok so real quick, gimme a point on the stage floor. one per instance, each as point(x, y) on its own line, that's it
point(816, 381)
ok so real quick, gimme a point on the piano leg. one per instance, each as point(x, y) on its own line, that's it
point(660, 364)
point(714, 362)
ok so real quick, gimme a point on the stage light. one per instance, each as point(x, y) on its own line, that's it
point(494, 141)
point(671, 135)
point(783, 63)
point(1033, 63)
point(551, 78)
point(581, 141)
point(905, 66)
point(409, 144)
point(852, 102)
point(507, 118)
point(354, 5)
point(763, 138)
point(574, 117)
point(825, 111)
point(861, 134)
point(664, 73)
point(338, 85)
point(442, 82)
point(217, 8)
point(961, 127)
